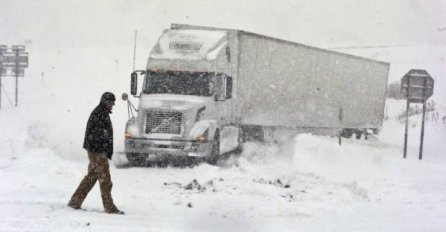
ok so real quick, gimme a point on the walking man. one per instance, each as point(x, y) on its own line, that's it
point(99, 144)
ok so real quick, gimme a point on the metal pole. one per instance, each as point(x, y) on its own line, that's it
point(16, 77)
point(1, 69)
point(134, 50)
point(16, 89)
point(340, 128)
point(422, 132)
point(407, 119)
point(422, 122)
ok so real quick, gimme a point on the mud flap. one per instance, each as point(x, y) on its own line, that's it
point(120, 160)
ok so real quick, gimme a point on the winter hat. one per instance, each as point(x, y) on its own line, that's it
point(108, 96)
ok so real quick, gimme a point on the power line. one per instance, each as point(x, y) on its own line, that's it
point(386, 46)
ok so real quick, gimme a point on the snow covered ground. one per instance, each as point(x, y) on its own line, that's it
point(310, 183)
point(307, 184)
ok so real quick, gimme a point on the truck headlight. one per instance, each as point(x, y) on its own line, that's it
point(131, 128)
point(203, 137)
point(127, 135)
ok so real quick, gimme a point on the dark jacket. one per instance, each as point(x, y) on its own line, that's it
point(99, 132)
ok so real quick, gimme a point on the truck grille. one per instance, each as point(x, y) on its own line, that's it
point(164, 122)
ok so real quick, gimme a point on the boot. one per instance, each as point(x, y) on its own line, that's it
point(73, 205)
point(114, 210)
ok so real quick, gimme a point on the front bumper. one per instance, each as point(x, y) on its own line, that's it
point(138, 146)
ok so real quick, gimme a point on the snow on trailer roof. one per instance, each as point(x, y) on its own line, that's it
point(189, 44)
point(175, 26)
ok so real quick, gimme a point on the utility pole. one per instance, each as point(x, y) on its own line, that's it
point(134, 50)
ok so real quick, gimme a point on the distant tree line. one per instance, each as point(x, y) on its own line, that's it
point(431, 113)
point(393, 91)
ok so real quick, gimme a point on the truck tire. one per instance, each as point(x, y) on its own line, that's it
point(215, 150)
point(252, 133)
point(358, 134)
point(347, 133)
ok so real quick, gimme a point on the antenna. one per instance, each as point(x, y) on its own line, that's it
point(134, 50)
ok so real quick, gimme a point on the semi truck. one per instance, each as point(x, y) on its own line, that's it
point(207, 90)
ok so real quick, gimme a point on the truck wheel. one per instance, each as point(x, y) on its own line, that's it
point(252, 133)
point(215, 150)
point(347, 133)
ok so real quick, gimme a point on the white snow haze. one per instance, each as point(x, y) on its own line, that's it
point(80, 49)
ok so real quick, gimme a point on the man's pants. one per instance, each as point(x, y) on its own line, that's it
point(98, 169)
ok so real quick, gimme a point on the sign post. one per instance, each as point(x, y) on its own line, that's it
point(14, 61)
point(3, 49)
point(417, 86)
point(406, 133)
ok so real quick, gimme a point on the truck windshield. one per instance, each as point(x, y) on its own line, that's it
point(179, 82)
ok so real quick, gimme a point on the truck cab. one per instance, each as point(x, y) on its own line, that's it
point(185, 103)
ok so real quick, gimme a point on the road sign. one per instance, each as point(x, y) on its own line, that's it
point(417, 86)
point(13, 63)
point(18, 48)
point(11, 59)
point(20, 72)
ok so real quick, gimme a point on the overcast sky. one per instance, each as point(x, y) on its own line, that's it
point(332, 23)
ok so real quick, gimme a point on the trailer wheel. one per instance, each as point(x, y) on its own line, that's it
point(215, 150)
point(347, 133)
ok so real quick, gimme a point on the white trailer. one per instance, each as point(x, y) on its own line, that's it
point(207, 89)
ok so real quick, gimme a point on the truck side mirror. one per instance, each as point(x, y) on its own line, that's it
point(124, 96)
point(134, 83)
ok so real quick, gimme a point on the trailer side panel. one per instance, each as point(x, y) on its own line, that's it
point(287, 84)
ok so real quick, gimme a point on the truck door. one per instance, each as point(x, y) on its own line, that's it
point(223, 97)
point(229, 133)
